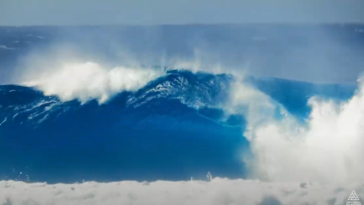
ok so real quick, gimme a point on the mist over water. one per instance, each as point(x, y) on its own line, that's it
point(284, 149)
point(90, 81)
point(300, 52)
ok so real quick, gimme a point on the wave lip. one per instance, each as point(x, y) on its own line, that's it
point(86, 81)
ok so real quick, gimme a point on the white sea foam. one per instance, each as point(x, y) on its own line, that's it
point(4, 47)
point(215, 192)
point(327, 149)
point(1, 123)
point(89, 80)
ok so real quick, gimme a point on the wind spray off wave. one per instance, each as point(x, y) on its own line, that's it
point(327, 147)
point(87, 81)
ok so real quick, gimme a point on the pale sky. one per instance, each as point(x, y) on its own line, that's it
point(154, 12)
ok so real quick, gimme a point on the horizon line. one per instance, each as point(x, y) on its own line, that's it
point(189, 24)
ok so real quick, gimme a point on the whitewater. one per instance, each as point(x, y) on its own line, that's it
point(217, 191)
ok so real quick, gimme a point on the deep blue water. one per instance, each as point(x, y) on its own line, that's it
point(146, 135)
point(133, 136)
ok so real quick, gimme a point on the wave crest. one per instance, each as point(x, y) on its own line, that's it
point(85, 81)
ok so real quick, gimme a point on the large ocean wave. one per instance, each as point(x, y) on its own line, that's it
point(178, 125)
point(94, 129)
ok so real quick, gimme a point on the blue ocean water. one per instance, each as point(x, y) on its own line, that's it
point(151, 134)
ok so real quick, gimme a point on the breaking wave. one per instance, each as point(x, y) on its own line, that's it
point(87, 81)
point(316, 134)
point(173, 124)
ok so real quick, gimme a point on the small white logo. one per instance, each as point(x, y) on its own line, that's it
point(353, 199)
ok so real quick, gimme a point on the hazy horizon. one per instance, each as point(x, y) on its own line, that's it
point(195, 24)
point(161, 12)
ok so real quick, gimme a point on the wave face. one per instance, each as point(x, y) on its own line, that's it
point(173, 128)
